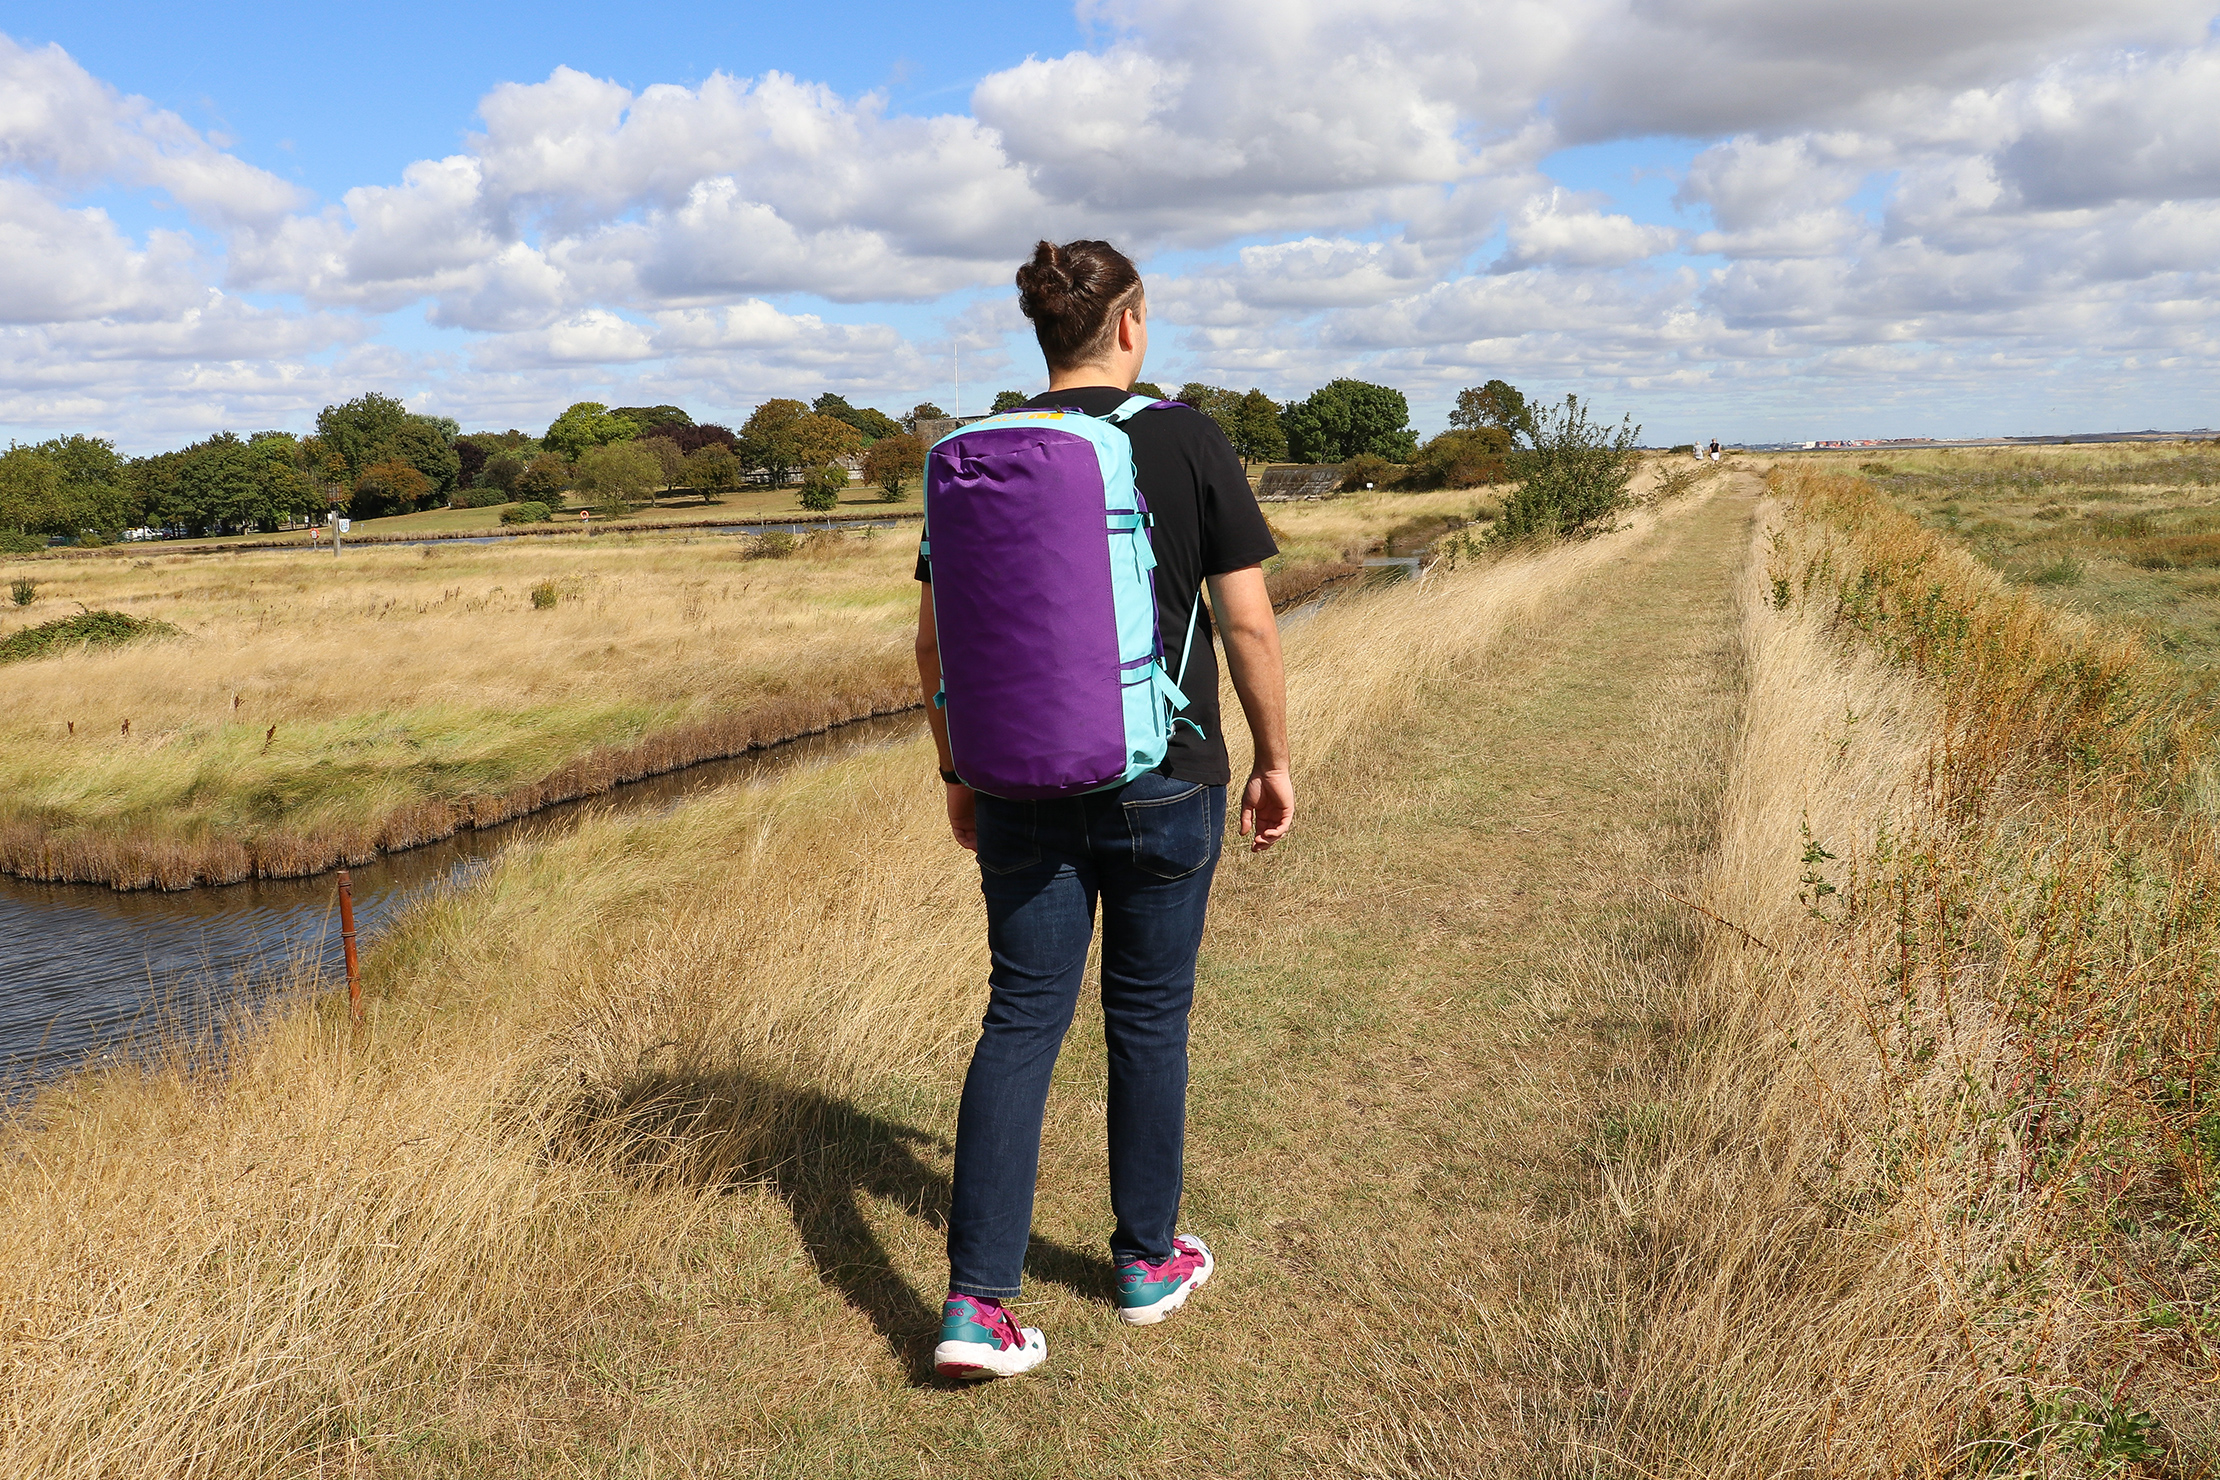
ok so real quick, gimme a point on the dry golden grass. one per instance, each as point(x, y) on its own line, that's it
point(1521, 1166)
point(319, 711)
point(562, 1203)
point(1924, 1187)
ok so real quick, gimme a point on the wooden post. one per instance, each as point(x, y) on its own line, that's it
point(347, 939)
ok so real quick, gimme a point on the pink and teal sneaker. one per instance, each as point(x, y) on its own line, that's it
point(978, 1339)
point(1149, 1292)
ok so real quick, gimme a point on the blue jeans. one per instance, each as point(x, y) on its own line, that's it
point(1148, 850)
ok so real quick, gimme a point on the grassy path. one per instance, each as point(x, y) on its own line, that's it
point(1408, 1031)
point(640, 1165)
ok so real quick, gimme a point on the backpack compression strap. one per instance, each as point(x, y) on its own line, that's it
point(1171, 690)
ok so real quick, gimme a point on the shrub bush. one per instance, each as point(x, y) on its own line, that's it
point(24, 593)
point(483, 497)
point(531, 511)
point(1366, 471)
point(776, 545)
point(822, 487)
point(545, 595)
point(1573, 480)
point(86, 629)
point(1469, 458)
point(16, 542)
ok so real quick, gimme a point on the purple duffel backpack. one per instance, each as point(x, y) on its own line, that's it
point(1044, 598)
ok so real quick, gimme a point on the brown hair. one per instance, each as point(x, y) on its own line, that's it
point(1074, 294)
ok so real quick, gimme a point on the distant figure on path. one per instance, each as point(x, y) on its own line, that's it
point(1714, 449)
point(1083, 760)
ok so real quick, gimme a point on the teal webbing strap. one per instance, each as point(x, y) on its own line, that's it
point(1188, 646)
point(1130, 405)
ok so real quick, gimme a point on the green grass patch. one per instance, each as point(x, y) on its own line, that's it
point(86, 629)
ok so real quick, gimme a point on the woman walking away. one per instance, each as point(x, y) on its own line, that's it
point(1065, 645)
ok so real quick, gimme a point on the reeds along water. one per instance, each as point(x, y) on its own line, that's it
point(1938, 1194)
point(315, 716)
point(229, 1272)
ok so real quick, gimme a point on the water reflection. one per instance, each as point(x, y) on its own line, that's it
point(86, 970)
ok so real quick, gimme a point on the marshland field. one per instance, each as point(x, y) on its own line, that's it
point(1737, 1002)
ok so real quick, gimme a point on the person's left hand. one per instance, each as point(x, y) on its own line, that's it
point(963, 815)
point(1267, 808)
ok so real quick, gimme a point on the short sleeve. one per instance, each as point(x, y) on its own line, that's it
point(1234, 534)
point(924, 564)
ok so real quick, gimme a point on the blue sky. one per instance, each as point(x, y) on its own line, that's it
point(1873, 220)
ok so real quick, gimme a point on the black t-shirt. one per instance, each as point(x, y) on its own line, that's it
point(1207, 523)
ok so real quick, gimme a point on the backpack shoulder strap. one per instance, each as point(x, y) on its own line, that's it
point(1129, 406)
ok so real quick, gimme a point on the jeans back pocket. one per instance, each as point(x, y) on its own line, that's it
point(1171, 823)
point(1008, 843)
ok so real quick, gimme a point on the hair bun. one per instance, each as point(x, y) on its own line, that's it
point(1073, 294)
point(1045, 279)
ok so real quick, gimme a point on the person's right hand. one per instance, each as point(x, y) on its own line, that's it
point(963, 815)
point(1267, 808)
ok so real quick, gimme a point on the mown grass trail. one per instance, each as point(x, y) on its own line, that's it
point(1408, 1031)
point(640, 1164)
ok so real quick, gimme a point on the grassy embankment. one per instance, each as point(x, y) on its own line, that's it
point(2127, 532)
point(1933, 1194)
point(417, 691)
point(670, 510)
point(318, 710)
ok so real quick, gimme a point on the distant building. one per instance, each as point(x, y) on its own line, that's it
point(932, 429)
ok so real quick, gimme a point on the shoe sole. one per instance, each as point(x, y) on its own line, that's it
point(1149, 1315)
point(973, 1361)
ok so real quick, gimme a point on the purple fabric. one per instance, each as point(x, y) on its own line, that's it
point(1022, 604)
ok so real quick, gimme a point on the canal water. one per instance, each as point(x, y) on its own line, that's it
point(88, 972)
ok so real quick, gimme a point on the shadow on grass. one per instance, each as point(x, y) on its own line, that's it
point(823, 1156)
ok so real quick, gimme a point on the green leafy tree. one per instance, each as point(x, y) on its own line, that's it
point(769, 440)
point(227, 483)
point(1213, 401)
point(586, 425)
point(387, 487)
point(892, 462)
point(1004, 400)
point(67, 486)
point(819, 440)
point(375, 428)
point(713, 470)
point(501, 471)
point(1150, 389)
point(30, 492)
point(359, 430)
point(1572, 477)
point(544, 478)
point(670, 461)
point(650, 419)
point(1497, 404)
point(1346, 417)
point(822, 487)
point(620, 473)
point(422, 442)
point(872, 423)
point(922, 411)
point(1257, 433)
